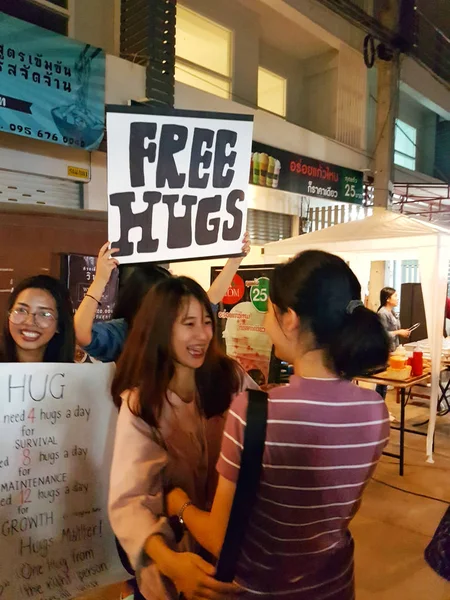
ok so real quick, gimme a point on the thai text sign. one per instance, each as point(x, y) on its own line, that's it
point(51, 87)
point(279, 169)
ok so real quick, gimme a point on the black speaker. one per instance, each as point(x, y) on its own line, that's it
point(412, 311)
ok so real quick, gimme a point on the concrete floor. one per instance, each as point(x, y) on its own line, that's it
point(393, 528)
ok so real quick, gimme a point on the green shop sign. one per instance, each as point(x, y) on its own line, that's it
point(279, 169)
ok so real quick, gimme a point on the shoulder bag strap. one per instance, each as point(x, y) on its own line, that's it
point(247, 484)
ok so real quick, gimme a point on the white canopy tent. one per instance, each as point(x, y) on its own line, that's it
point(389, 236)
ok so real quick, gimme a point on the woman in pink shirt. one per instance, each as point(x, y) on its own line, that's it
point(324, 438)
point(172, 384)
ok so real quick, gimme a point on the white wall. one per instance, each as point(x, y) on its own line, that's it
point(402, 175)
point(321, 79)
point(351, 109)
point(273, 130)
point(96, 192)
point(124, 81)
point(97, 22)
point(293, 70)
point(429, 90)
point(376, 283)
point(41, 158)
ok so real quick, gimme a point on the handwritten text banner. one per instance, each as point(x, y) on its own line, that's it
point(57, 424)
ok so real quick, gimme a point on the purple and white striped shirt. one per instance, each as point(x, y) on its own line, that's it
point(324, 439)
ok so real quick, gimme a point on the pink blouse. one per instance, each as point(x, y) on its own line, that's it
point(183, 453)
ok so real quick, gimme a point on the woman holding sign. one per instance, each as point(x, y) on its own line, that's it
point(38, 326)
point(172, 384)
point(324, 437)
point(104, 341)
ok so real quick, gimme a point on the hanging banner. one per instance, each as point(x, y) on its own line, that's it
point(58, 425)
point(52, 88)
point(177, 183)
point(241, 321)
point(279, 169)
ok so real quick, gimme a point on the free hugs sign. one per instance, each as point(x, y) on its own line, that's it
point(177, 183)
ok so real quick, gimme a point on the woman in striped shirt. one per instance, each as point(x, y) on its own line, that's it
point(324, 438)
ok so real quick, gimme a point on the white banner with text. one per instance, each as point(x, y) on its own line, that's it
point(177, 184)
point(58, 426)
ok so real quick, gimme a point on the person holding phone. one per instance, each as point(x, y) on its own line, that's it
point(391, 323)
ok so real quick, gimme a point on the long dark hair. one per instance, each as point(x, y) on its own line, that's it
point(385, 294)
point(147, 361)
point(320, 287)
point(61, 348)
point(131, 294)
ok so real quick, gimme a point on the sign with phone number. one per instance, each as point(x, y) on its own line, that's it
point(52, 87)
point(46, 135)
point(304, 175)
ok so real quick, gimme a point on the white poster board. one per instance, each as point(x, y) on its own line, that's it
point(57, 432)
point(177, 183)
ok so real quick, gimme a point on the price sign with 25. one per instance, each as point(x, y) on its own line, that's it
point(259, 294)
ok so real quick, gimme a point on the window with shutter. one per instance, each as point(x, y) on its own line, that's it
point(271, 92)
point(265, 227)
point(25, 188)
point(203, 53)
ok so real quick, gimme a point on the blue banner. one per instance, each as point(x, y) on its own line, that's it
point(52, 88)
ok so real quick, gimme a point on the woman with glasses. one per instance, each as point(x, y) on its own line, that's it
point(38, 325)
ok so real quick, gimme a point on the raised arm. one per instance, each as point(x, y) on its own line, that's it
point(222, 282)
point(85, 315)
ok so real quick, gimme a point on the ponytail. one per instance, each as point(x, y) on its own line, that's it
point(326, 295)
point(362, 345)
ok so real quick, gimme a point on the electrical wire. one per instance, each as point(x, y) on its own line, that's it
point(399, 489)
point(348, 10)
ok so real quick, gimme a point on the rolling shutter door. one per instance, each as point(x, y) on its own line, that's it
point(264, 226)
point(25, 188)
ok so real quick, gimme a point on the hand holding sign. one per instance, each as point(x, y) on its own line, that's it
point(246, 244)
point(177, 184)
point(106, 264)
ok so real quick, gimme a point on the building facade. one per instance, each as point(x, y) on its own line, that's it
point(296, 65)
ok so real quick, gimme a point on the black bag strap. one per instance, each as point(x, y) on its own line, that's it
point(247, 484)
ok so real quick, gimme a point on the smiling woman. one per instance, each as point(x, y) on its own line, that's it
point(38, 325)
point(172, 384)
